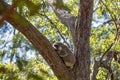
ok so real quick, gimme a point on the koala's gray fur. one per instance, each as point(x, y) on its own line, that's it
point(64, 52)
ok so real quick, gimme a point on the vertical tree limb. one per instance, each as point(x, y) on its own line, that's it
point(82, 40)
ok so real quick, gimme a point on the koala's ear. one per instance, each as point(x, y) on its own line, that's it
point(54, 46)
point(65, 44)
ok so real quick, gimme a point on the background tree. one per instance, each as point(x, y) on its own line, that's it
point(94, 44)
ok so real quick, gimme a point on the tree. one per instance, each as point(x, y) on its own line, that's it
point(80, 30)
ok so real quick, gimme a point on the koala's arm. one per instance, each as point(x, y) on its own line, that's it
point(69, 60)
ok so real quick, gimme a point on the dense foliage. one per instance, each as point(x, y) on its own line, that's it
point(21, 61)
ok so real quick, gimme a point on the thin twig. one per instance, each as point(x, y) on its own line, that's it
point(104, 23)
point(111, 14)
point(55, 26)
point(115, 36)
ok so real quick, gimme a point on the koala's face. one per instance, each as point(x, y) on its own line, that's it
point(58, 46)
point(61, 49)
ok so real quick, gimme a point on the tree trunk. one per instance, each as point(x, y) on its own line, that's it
point(81, 38)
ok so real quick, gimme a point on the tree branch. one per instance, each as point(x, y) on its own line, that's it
point(111, 45)
point(55, 26)
point(39, 41)
point(109, 56)
point(107, 67)
point(6, 13)
point(111, 13)
point(104, 23)
point(95, 70)
point(66, 18)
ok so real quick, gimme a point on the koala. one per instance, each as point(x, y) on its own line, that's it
point(65, 54)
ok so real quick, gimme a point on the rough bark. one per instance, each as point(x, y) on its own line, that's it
point(39, 41)
point(82, 40)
